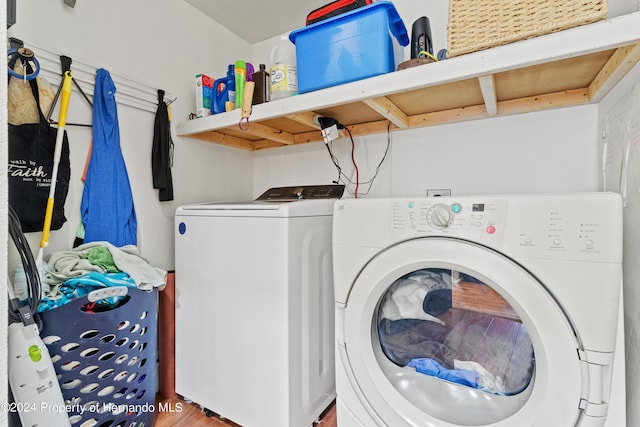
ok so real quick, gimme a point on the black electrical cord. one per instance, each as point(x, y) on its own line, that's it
point(32, 275)
point(384, 156)
point(336, 163)
point(355, 165)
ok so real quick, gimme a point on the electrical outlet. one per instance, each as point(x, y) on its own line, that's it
point(439, 193)
point(330, 133)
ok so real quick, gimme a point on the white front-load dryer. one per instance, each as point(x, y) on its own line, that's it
point(497, 311)
point(254, 306)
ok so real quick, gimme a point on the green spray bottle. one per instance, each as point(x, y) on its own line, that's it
point(240, 72)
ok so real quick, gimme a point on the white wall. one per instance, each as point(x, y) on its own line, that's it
point(619, 117)
point(146, 40)
point(550, 151)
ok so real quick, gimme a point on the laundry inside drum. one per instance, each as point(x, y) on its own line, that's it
point(453, 327)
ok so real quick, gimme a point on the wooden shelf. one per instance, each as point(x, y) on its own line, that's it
point(567, 68)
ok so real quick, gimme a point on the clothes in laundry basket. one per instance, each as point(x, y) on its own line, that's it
point(64, 265)
point(83, 285)
point(68, 275)
point(101, 257)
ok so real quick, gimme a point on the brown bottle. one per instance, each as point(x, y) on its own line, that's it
point(261, 89)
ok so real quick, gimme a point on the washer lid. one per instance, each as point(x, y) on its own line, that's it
point(298, 201)
point(222, 206)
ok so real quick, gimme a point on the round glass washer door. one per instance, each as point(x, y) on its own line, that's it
point(444, 332)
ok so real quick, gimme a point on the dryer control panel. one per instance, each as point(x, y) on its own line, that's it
point(578, 226)
point(463, 218)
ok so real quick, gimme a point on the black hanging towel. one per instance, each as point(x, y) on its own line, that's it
point(162, 151)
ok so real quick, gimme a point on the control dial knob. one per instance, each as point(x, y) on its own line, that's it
point(439, 216)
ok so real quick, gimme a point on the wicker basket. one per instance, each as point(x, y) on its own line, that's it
point(481, 24)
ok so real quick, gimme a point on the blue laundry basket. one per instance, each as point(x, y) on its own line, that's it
point(105, 356)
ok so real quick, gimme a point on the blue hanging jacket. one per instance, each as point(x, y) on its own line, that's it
point(107, 209)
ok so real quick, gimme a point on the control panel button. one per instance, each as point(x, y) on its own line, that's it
point(439, 216)
point(491, 229)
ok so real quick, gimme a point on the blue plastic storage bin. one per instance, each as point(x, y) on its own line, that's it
point(358, 44)
point(105, 357)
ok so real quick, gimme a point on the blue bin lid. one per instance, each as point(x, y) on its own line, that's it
point(396, 25)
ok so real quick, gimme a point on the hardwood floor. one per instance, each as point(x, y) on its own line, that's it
point(175, 412)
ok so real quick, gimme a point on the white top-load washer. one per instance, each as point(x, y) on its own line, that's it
point(496, 311)
point(255, 308)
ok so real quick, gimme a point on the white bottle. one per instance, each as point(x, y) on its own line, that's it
point(283, 73)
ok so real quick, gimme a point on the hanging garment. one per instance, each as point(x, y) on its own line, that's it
point(162, 151)
point(107, 209)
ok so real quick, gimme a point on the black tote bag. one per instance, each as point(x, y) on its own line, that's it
point(31, 153)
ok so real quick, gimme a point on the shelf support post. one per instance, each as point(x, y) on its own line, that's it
point(488, 88)
point(388, 109)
